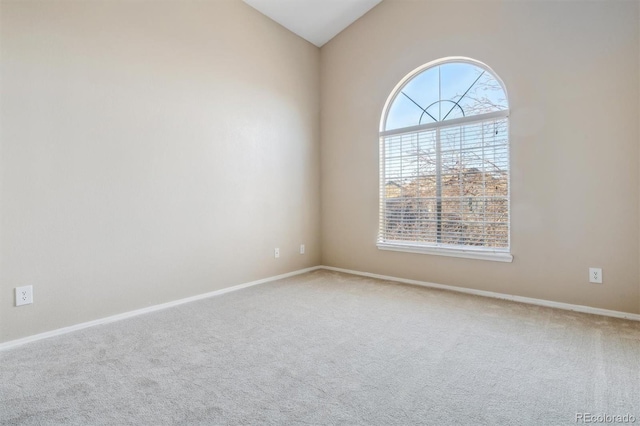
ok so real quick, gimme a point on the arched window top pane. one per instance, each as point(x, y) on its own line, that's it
point(444, 92)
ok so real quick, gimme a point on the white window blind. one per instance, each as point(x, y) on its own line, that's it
point(447, 186)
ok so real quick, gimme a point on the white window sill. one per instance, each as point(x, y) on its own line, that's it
point(496, 256)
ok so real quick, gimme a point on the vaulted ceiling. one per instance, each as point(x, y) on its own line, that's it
point(317, 21)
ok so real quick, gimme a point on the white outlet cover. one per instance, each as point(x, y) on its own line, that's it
point(24, 295)
point(595, 275)
point(301, 248)
point(276, 253)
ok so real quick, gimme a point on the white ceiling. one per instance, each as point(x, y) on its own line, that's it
point(317, 21)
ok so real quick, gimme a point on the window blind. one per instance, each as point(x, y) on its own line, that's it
point(447, 186)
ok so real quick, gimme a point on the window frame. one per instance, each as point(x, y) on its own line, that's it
point(440, 249)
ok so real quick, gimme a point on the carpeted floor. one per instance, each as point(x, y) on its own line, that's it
point(330, 349)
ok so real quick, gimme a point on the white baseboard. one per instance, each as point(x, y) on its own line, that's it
point(154, 308)
point(521, 299)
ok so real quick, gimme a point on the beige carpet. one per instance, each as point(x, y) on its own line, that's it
point(330, 349)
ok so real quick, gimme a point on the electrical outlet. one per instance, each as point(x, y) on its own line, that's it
point(595, 275)
point(301, 248)
point(276, 253)
point(24, 295)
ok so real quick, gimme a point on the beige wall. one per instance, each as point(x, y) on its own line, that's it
point(150, 151)
point(571, 70)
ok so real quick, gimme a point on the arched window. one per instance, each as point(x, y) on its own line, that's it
point(444, 163)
